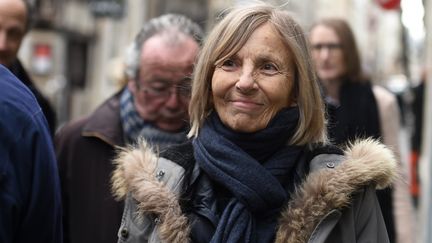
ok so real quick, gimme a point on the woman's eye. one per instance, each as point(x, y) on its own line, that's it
point(228, 65)
point(269, 69)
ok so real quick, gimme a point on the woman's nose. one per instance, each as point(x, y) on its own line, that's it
point(246, 80)
point(324, 53)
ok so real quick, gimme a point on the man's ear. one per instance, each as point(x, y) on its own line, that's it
point(132, 86)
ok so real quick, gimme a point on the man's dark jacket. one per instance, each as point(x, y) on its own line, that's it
point(18, 70)
point(85, 149)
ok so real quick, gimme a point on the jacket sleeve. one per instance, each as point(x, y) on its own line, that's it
point(369, 222)
point(30, 201)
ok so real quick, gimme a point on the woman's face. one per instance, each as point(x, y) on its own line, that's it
point(327, 53)
point(249, 88)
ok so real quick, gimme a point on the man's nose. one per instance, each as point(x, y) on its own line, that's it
point(173, 99)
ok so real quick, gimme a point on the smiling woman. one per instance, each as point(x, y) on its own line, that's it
point(258, 166)
point(284, 52)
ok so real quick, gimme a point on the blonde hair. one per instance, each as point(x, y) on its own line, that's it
point(227, 38)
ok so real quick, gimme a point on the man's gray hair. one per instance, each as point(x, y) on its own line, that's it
point(172, 24)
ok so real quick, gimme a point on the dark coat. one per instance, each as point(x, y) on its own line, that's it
point(85, 149)
point(334, 202)
point(30, 201)
point(18, 70)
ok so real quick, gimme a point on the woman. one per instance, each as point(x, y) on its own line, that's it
point(359, 109)
point(257, 167)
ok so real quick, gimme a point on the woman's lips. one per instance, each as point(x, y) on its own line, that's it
point(243, 104)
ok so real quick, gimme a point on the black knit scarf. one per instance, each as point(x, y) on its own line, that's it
point(249, 165)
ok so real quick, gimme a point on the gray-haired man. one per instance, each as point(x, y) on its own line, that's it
point(153, 105)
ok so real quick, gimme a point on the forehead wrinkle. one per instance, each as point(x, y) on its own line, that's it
point(260, 57)
point(167, 66)
point(268, 57)
point(161, 77)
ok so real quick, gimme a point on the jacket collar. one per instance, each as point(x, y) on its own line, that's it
point(326, 188)
point(105, 123)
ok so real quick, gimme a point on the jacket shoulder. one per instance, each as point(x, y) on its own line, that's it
point(71, 129)
point(325, 156)
point(365, 163)
point(103, 124)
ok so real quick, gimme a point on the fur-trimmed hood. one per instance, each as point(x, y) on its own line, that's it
point(365, 162)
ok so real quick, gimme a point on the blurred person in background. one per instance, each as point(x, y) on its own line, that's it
point(417, 136)
point(30, 199)
point(357, 108)
point(153, 105)
point(14, 24)
point(257, 167)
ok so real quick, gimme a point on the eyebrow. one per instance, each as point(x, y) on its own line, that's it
point(268, 57)
point(262, 58)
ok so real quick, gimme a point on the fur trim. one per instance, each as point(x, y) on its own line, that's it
point(135, 173)
point(366, 161)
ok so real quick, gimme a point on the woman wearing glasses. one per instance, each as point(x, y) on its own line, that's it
point(357, 109)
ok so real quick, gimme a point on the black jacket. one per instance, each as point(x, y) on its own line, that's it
point(18, 70)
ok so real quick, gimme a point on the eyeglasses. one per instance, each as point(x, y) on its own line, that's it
point(328, 46)
point(164, 90)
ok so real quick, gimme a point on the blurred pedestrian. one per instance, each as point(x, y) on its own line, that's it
point(356, 108)
point(30, 200)
point(153, 106)
point(14, 24)
point(417, 136)
point(257, 167)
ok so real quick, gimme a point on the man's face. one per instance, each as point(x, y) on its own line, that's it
point(161, 93)
point(13, 19)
